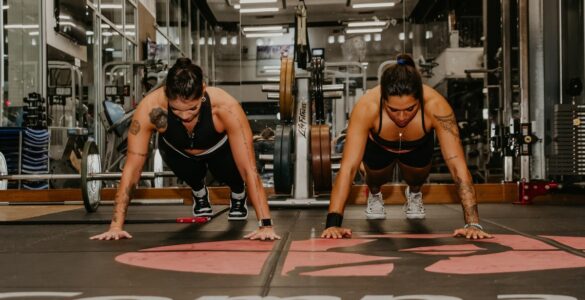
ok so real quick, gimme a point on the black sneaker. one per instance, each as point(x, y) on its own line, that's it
point(238, 209)
point(201, 206)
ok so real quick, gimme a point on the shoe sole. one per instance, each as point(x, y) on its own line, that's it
point(237, 218)
point(209, 214)
point(375, 217)
point(415, 216)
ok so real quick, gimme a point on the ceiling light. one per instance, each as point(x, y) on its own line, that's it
point(367, 37)
point(262, 28)
point(234, 40)
point(331, 39)
point(264, 34)
point(111, 6)
point(258, 10)
point(373, 5)
point(341, 39)
point(377, 37)
point(364, 30)
point(367, 24)
point(223, 40)
point(401, 36)
point(256, 1)
point(236, 6)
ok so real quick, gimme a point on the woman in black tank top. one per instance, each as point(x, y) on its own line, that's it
point(198, 133)
point(390, 126)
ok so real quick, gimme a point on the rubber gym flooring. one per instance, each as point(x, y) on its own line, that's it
point(538, 253)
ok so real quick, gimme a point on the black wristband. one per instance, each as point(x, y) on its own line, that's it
point(265, 223)
point(333, 220)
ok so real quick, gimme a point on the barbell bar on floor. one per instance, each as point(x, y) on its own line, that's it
point(90, 176)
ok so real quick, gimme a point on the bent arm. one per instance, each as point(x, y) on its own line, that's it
point(139, 135)
point(447, 130)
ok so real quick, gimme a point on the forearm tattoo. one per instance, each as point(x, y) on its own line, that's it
point(448, 123)
point(466, 193)
point(135, 127)
point(122, 201)
point(158, 117)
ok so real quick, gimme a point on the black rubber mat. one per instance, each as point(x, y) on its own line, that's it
point(537, 250)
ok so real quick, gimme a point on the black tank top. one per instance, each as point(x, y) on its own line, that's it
point(203, 136)
point(404, 145)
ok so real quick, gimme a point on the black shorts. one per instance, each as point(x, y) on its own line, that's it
point(376, 157)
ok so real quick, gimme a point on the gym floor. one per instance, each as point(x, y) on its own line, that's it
point(46, 253)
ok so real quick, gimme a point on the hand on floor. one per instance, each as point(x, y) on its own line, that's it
point(263, 233)
point(336, 233)
point(112, 234)
point(471, 233)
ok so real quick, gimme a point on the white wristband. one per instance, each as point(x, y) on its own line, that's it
point(476, 225)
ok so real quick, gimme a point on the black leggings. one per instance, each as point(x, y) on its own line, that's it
point(192, 169)
point(376, 157)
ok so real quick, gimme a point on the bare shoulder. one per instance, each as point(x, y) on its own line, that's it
point(220, 97)
point(370, 101)
point(435, 103)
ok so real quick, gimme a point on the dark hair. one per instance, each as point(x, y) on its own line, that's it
point(184, 80)
point(401, 79)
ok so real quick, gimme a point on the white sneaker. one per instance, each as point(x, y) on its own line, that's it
point(375, 209)
point(413, 207)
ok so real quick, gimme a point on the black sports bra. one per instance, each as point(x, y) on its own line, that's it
point(203, 136)
point(404, 145)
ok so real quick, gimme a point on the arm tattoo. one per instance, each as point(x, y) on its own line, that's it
point(451, 158)
point(135, 127)
point(158, 117)
point(466, 193)
point(136, 153)
point(448, 123)
point(122, 201)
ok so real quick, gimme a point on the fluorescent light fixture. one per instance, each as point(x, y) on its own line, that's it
point(367, 24)
point(109, 49)
point(256, 1)
point(21, 26)
point(237, 6)
point(373, 5)
point(264, 34)
point(111, 6)
point(271, 71)
point(262, 28)
point(64, 17)
point(32, 33)
point(364, 30)
point(258, 10)
point(5, 6)
point(89, 33)
point(271, 67)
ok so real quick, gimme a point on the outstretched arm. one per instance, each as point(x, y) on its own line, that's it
point(447, 131)
point(139, 135)
point(353, 151)
point(240, 138)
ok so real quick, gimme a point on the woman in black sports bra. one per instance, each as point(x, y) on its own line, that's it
point(395, 124)
point(199, 128)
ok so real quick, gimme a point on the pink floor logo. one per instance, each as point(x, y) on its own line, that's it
point(321, 257)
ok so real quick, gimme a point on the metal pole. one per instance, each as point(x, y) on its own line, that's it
point(506, 102)
point(524, 83)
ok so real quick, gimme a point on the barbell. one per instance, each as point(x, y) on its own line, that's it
point(91, 176)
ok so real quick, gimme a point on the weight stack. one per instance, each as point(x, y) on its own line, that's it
point(568, 147)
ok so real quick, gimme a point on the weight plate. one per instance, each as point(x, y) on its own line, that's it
point(321, 158)
point(286, 89)
point(283, 164)
point(3, 171)
point(90, 164)
point(158, 167)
